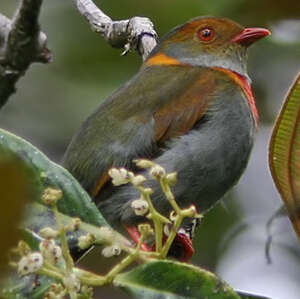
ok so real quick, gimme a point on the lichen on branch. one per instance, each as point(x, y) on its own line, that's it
point(135, 33)
point(21, 43)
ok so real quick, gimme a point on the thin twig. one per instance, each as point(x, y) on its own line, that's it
point(158, 220)
point(21, 43)
point(64, 241)
point(136, 33)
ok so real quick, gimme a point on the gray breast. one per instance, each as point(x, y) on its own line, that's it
point(211, 158)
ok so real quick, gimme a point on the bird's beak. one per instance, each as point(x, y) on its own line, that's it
point(250, 35)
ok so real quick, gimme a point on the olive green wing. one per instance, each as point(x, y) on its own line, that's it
point(159, 103)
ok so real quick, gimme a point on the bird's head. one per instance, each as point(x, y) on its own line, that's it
point(209, 42)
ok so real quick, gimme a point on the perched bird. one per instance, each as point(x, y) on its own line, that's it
point(189, 108)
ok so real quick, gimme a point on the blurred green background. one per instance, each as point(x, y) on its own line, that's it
point(52, 101)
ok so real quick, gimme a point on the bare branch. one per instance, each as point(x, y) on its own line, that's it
point(136, 33)
point(21, 43)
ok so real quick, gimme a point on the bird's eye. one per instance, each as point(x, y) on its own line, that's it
point(206, 34)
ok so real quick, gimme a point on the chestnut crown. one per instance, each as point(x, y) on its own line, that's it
point(210, 42)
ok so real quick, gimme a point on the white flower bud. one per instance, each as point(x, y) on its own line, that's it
point(87, 291)
point(51, 196)
point(30, 263)
point(106, 232)
point(48, 233)
point(157, 172)
point(145, 230)
point(50, 251)
point(149, 191)
point(23, 248)
point(71, 282)
point(56, 291)
point(56, 254)
point(46, 245)
point(43, 174)
point(143, 163)
point(112, 250)
point(172, 178)
point(86, 241)
point(138, 180)
point(120, 176)
point(140, 207)
point(76, 222)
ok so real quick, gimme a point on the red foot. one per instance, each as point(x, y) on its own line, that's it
point(135, 236)
point(181, 249)
point(184, 246)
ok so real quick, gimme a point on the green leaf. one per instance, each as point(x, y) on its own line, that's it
point(40, 213)
point(45, 173)
point(40, 174)
point(168, 279)
point(284, 153)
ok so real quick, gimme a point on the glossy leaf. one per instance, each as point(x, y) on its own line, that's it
point(76, 202)
point(284, 154)
point(168, 279)
point(40, 174)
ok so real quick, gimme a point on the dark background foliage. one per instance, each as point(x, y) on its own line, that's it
point(52, 101)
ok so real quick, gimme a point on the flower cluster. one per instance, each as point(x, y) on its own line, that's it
point(55, 260)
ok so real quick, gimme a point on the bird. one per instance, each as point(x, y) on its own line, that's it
point(189, 108)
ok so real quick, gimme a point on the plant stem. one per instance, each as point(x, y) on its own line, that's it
point(119, 267)
point(51, 267)
point(89, 278)
point(50, 273)
point(157, 218)
point(169, 195)
point(190, 212)
point(73, 295)
point(158, 227)
point(92, 279)
point(171, 236)
point(125, 262)
point(156, 221)
point(64, 242)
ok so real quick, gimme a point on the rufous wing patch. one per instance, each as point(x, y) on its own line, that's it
point(102, 180)
point(179, 115)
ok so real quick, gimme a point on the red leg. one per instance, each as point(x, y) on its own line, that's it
point(135, 236)
point(187, 246)
point(182, 248)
